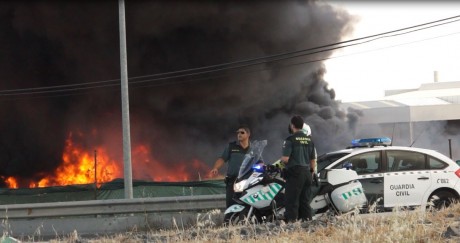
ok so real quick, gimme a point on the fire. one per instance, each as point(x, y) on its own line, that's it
point(11, 182)
point(81, 165)
point(146, 167)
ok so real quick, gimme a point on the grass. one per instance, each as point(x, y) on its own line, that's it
point(399, 226)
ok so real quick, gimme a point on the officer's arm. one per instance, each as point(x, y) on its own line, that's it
point(313, 160)
point(312, 165)
point(287, 149)
point(221, 161)
point(217, 165)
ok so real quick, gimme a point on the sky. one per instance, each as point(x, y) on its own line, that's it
point(363, 72)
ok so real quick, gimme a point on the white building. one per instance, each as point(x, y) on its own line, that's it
point(409, 112)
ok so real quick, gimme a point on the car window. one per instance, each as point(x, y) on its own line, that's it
point(405, 160)
point(436, 164)
point(327, 159)
point(365, 163)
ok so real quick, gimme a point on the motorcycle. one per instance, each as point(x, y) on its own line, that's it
point(259, 190)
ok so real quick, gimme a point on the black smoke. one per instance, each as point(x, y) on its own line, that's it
point(52, 43)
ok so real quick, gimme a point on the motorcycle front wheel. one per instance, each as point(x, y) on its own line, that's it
point(240, 218)
point(234, 218)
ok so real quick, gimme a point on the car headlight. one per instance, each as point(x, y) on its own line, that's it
point(239, 187)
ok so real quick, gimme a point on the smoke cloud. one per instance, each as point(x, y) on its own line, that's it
point(59, 43)
point(433, 135)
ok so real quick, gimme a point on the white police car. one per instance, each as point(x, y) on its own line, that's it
point(397, 176)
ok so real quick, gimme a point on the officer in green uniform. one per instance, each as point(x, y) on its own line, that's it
point(233, 155)
point(299, 157)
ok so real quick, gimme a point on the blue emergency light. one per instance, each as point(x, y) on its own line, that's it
point(258, 168)
point(371, 142)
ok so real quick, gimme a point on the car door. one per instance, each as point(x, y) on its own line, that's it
point(369, 167)
point(407, 178)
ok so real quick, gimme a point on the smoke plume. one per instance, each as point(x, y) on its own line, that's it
point(53, 43)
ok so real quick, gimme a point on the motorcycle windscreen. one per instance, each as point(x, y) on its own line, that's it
point(348, 197)
point(254, 155)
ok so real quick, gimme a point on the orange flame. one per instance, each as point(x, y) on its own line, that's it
point(78, 167)
point(79, 164)
point(146, 167)
point(11, 182)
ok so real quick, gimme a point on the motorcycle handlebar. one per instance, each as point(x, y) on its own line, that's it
point(272, 168)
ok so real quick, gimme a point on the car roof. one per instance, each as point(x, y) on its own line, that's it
point(380, 148)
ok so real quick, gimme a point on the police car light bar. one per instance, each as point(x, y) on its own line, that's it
point(371, 142)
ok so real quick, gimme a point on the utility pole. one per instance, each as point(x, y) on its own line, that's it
point(125, 104)
point(95, 175)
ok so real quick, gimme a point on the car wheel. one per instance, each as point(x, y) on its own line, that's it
point(441, 199)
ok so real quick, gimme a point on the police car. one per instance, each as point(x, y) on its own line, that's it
point(395, 176)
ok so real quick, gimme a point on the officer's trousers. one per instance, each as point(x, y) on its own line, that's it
point(229, 192)
point(298, 196)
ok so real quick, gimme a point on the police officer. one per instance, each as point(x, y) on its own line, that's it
point(233, 155)
point(298, 155)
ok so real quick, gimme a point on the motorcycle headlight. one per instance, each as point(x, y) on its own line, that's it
point(239, 187)
point(257, 180)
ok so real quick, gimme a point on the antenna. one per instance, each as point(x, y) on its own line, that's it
point(417, 138)
point(393, 133)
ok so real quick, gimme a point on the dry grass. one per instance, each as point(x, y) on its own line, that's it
point(399, 226)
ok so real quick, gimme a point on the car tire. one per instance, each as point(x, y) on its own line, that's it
point(441, 199)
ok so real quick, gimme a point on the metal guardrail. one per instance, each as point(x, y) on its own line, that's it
point(105, 216)
point(101, 217)
point(112, 207)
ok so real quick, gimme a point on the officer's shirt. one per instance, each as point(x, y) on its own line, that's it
point(233, 155)
point(299, 148)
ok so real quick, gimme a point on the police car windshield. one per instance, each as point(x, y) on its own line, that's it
point(251, 157)
point(327, 159)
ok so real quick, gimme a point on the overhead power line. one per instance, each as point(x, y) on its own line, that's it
point(158, 84)
point(230, 66)
point(270, 57)
point(281, 66)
